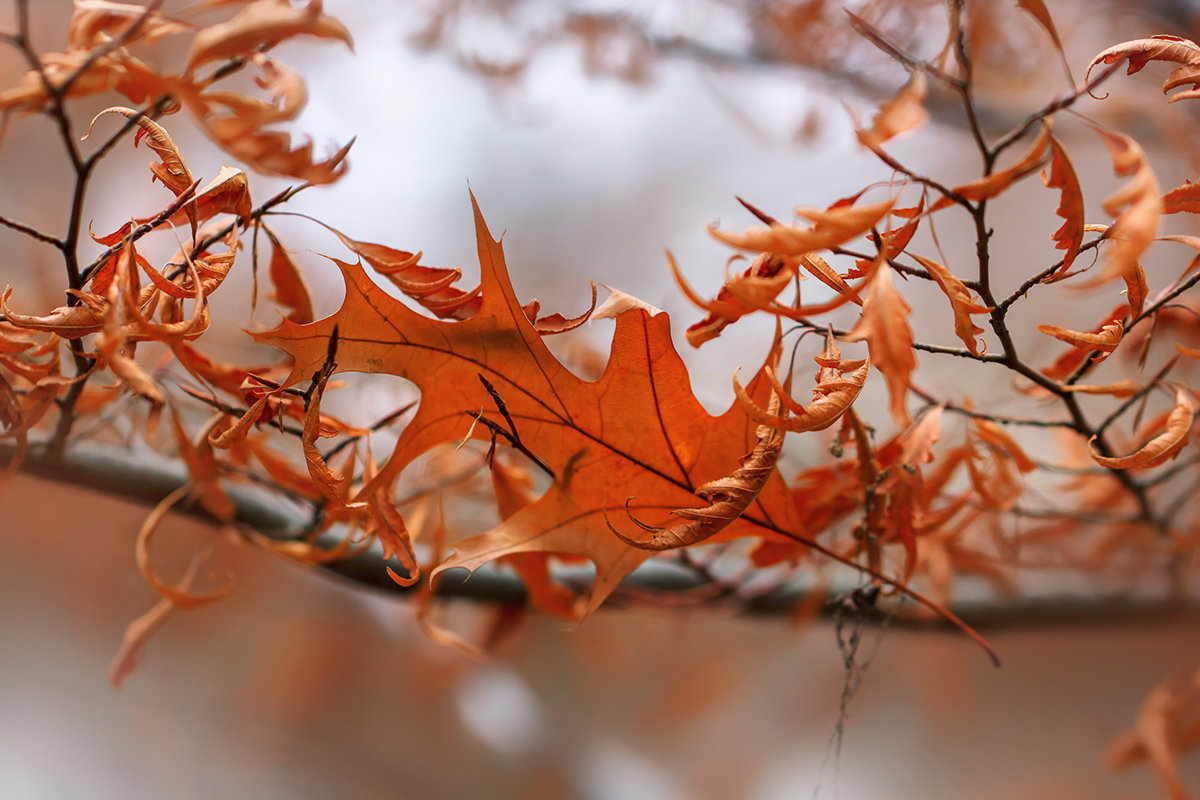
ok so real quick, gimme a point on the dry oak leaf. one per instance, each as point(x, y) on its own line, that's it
point(1161, 448)
point(1061, 175)
point(831, 397)
point(263, 23)
point(1162, 47)
point(831, 227)
point(961, 302)
point(1106, 340)
point(1182, 198)
point(117, 71)
point(753, 290)
point(266, 151)
point(290, 290)
point(618, 302)
point(227, 193)
point(636, 432)
point(1122, 388)
point(884, 326)
point(1037, 9)
point(97, 22)
point(901, 112)
point(1069, 361)
point(172, 172)
point(1136, 209)
point(728, 497)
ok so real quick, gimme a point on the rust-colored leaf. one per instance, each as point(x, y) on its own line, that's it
point(1182, 198)
point(172, 172)
point(1161, 448)
point(753, 290)
point(618, 302)
point(95, 22)
point(728, 498)
point(237, 122)
point(657, 456)
point(432, 287)
point(139, 631)
point(884, 326)
point(997, 182)
point(1162, 47)
point(901, 112)
point(179, 594)
point(1136, 208)
point(831, 398)
point(1037, 9)
point(1122, 388)
point(827, 275)
point(290, 290)
point(263, 23)
point(1061, 175)
point(961, 302)
point(996, 438)
point(831, 227)
point(1105, 341)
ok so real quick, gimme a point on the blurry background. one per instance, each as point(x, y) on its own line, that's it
point(298, 686)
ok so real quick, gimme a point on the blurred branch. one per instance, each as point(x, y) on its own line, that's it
point(145, 478)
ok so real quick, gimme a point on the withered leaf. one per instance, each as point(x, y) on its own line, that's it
point(262, 23)
point(1140, 52)
point(1122, 388)
point(1037, 9)
point(1106, 340)
point(961, 302)
point(902, 112)
point(665, 446)
point(728, 497)
point(172, 171)
point(831, 398)
point(1182, 198)
point(290, 290)
point(1167, 725)
point(1161, 448)
point(831, 227)
point(1136, 208)
point(1061, 176)
point(95, 22)
point(997, 182)
point(884, 326)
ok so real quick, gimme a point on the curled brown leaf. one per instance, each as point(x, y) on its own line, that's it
point(1162, 47)
point(961, 302)
point(884, 326)
point(831, 398)
point(831, 227)
point(1061, 175)
point(1161, 448)
point(901, 112)
point(1105, 341)
point(727, 497)
point(264, 23)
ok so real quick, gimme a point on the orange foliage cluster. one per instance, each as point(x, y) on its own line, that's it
point(613, 469)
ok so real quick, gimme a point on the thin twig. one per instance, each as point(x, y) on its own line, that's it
point(997, 418)
point(510, 435)
point(141, 230)
point(30, 231)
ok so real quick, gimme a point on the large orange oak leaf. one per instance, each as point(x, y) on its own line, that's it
point(636, 441)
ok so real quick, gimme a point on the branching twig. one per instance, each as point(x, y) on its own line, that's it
point(1001, 420)
point(30, 231)
point(510, 434)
